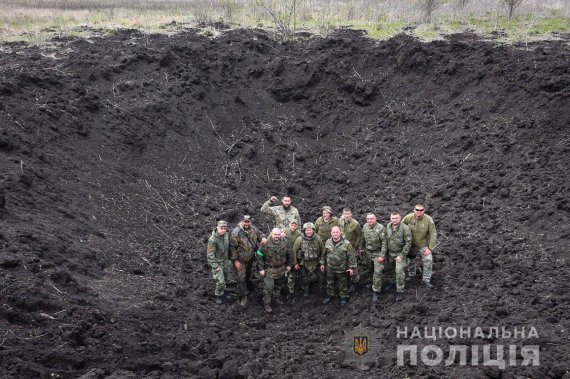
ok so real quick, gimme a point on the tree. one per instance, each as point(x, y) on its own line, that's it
point(427, 7)
point(512, 5)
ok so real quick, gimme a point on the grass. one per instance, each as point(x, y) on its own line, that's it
point(36, 21)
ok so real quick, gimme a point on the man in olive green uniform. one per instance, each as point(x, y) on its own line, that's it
point(352, 231)
point(399, 239)
point(424, 240)
point(275, 259)
point(307, 252)
point(338, 260)
point(325, 223)
point(244, 241)
point(374, 241)
point(218, 258)
point(292, 233)
point(281, 214)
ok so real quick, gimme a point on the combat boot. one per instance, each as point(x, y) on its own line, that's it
point(375, 297)
point(243, 301)
point(219, 300)
point(306, 292)
point(327, 300)
point(268, 308)
point(428, 285)
point(279, 300)
point(399, 296)
point(342, 301)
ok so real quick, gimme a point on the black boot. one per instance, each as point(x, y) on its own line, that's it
point(342, 301)
point(306, 292)
point(327, 300)
point(399, 296)
point(375, 297)
point(219, 300)
point(428, 285)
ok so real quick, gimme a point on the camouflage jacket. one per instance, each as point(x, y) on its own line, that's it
point(244, 244)
point(218, 249)
point(399, 240)
point(352, 231)
point(280, 215)
point(423, 231)
point(374, 240)
point(339, 256)
point(323, 228)
point(291, 236)
point(275, 257)
point(308, 251)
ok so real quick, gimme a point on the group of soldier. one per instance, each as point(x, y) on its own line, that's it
point(329, 249)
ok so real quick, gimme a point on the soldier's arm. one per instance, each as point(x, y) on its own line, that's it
point(323, 259)
point(318, 225)
point(362, 242)
point(406, 220)
point(321, 247)
point(384, 243)
point(234, 245)
point(407, 240)
point(298, 216)
point(211, 254)
point(266, 208)
point(358, 235)
point(296, 248)
point(432, 235)
point(351, 257)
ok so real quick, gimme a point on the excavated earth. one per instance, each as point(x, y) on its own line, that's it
point(119, 153)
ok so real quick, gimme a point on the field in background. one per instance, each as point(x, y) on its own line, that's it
point(36, 21)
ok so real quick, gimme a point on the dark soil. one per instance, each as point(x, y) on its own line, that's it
point(119, 153)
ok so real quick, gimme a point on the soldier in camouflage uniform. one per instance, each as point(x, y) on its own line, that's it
point(352, 231)
point(374, 241)
point(338, 260)
point(281, 214)
point(424, 240)
point(218, 258)
point(275, 260)
point(307, 252)
point(399, 239)
point(325, 223)
point(244, 241)
point(292, 233)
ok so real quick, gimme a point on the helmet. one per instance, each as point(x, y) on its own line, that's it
point(308, 225)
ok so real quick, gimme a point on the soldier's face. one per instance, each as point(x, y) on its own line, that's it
point(276, 236)
point(286, 202)
point(309, 232)
point(395, 219)
point(326, 215)
point(371, 220)
point(335, 233)
point(419, 211)
point(221, 230)
point(293, 226)
point(347, 216)
point(246, 224)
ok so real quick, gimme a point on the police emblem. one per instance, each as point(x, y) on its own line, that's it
point(360, 345)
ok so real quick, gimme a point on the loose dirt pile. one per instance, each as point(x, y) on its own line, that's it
point(119, 153)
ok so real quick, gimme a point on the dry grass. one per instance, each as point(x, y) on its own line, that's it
point(34, 19)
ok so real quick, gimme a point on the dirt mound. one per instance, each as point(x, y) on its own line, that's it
point(119, 153)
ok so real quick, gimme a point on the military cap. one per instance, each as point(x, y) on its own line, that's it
point(328, 209)
point(222, 223)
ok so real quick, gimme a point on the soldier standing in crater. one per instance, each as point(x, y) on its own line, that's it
point(292, 233)
point(275, 259)
point(218, 258)
point(244, 242)
point(424, 240)
point(281, 214)
point(307, 252)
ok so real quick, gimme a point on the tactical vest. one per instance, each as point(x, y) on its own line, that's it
point(373, 237)
point(310, 249)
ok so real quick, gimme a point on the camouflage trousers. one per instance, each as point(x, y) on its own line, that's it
point(426, 264)
point(337, 281)
point(272, 287)
point(306, 276)
point(221, 276)
point(244, 278)
point(377, 276)
point(396, 272)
